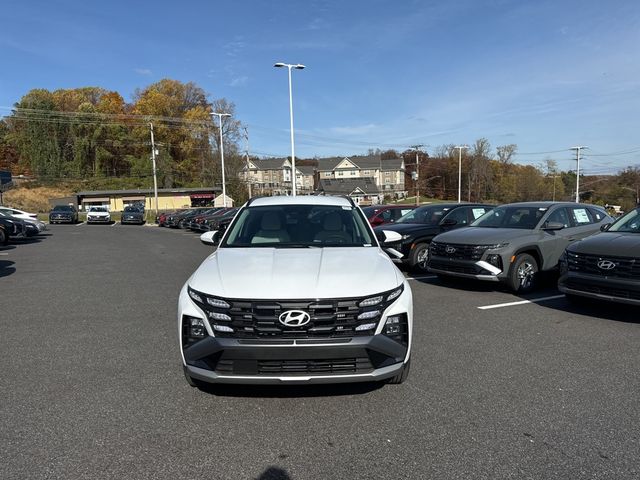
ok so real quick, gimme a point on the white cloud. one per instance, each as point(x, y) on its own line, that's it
point(239, 81)
point(354, 129)
point(143, 71)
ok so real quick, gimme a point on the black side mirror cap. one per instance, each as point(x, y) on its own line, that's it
point(448, 222)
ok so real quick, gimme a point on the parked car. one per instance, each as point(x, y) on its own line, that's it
point(196, 220)
point(382, 214)
point(14, 212)
point(11, 227)
point(32, 226)
point(204, 224)
point(98, 215)
point(177, 220)
point(298, 291)
point(161, 219)
point(513, 242)
point(605, 266)
point(418, 227)
point(63, 214)
point(132, 214)
point(219, 224)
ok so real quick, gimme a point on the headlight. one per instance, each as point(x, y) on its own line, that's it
point(497, 245)
point(368, 302)
point(205, 301)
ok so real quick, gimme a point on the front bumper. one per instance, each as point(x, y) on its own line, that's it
point(127, 219)
point(477, 270)
point(304, 360)
point(60, 218)
point(98, 219)
point(226, 360)
point(599, 287)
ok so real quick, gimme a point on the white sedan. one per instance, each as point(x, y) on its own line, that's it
point(14, 212)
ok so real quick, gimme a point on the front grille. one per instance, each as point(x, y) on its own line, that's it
point(457, 251)
point(602, 290)
point(259, 319)
point(625, 267)
point(334, 366)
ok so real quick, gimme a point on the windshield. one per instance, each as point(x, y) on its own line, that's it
point(132, 209)
point(525, 218)
point(98, 209)
point(428, 215)
point(629, 223)
point(62, 208)
point(299, 226)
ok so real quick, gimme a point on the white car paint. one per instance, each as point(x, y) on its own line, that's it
point(14, 212)
point(97, 215)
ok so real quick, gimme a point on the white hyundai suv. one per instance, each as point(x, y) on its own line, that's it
point(298, 291)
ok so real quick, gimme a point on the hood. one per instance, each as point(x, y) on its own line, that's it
point(615, 244)
point(406, 228)
point(483, 235)
point(296, 273)
point(98, 214)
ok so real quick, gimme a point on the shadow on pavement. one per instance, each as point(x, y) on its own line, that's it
point(617, 312)
point(6, 268)
point(4, 248)
point(274, 473)
point(291, 391)
point(546, 283)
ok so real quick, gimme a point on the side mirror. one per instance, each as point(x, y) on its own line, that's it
point(388, 236)
point(448, 222)
point(209, 238)
point(605, 227)
point(553, 226)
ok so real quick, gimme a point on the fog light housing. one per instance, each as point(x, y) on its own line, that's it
point(495, 260)
point(197, 329)
point(223, 328)
point(366, 326)
point(396, 327)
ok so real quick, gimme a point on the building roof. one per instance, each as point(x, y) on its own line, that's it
point(368, 162)
point(146, 191)
point(269, 163)
point(346, 186)
point(306, 169)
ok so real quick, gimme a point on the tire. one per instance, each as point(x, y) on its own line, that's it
point(402, 375)
point(418, 258)
point(4, 238)
point(522, 277)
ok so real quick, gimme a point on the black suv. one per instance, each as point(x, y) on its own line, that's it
point(63, 214)
point(419, 226)
point(11, 227)
point(605, 266)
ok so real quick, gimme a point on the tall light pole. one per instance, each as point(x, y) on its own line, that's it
point(577, 149)
point(155, 177)
point(417, 186)
point(460, 148)
point(224, 187)
point(246, 137)
point(293, 150)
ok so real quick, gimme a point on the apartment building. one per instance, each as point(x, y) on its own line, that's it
point(272, 176)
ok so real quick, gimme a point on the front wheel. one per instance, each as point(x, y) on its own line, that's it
point(419, 257)
point(523, 273)
point(4, 238)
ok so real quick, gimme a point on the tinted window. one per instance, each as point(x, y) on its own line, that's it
point(627, 223)
point(296, 226)
point(460, 215)
point(560, 216)
point(429, 215)
point(511, 217)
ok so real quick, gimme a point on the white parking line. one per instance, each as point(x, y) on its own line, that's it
point(78, 224)
point(114, 224)
point(3, 254)
point(423, 277)
point(522, 302)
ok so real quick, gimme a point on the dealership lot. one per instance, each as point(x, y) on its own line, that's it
point(92, 387)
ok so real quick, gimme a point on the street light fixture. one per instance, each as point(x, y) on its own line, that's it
point(293, 151)
point(224, 188)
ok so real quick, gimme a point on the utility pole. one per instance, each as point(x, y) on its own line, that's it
point(460, 147)
point(417, 185)
point(577, 149)
point(155, 177)
point(246, 136)
point(224, 187)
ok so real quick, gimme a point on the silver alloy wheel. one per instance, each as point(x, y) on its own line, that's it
point(526, 271)
point(422, 258)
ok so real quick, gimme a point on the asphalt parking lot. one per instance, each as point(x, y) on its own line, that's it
point(92, 387)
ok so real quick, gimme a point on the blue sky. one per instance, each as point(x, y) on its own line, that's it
point(545, 75)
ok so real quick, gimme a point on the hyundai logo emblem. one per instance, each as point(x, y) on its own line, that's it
point(450, 249)
point(294, 318)
point(606, 265)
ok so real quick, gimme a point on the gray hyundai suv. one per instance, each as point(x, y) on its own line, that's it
point(513, 242)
